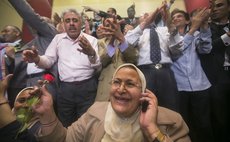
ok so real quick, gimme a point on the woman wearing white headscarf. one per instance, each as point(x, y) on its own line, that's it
point(121, 120)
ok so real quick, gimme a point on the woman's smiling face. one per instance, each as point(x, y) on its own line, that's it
point(125, 92)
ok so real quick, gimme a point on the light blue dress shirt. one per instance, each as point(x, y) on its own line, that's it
point(187, 68)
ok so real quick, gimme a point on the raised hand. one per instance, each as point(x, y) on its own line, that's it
point(45, 111)
point(31, 55)
point(148, 119)
point(5, 111)
point(150, 18)
point(4, 84)
point(86, 47)
point(87, 8)
point(199, 19)
point(112, 28)
point(44, 108)
point(56, 18)
point(205, 17)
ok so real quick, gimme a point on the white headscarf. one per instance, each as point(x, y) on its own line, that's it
point(118, 129)
point(141, 75)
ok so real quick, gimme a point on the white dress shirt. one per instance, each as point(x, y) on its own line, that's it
point(73, 65)
point(33, 69)
point(140, 38)
point(226, 40)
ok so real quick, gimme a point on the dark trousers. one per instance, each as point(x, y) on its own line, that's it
point(163, 84)
point(9, 133)
point(195, 110)
point(220, 111)
point(74, 98)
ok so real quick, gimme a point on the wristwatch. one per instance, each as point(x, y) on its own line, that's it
point(160, 137)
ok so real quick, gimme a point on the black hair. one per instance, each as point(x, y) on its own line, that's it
point(113, 9)
point(175, 11)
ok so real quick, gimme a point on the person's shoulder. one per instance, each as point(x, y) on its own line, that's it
point(103, 41)
point(172, 123)
point(98, 109)
point(99, 104)
point(167, 116)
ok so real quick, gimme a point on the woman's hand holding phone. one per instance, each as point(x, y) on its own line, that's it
point(148, 117)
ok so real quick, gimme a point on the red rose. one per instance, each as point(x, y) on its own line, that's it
point(48, 77)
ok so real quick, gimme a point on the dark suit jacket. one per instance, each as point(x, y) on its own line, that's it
point(18, 69)
point(45, 32)
point(9, 132)
point(213, 63)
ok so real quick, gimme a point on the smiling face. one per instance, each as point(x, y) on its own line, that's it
point(179, 20)
point(125, 99)
point(72, 24)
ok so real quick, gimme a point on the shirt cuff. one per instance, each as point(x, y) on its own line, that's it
point(226, 39)
point(110, 50)
point(123, 46)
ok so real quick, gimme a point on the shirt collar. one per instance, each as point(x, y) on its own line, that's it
point(67, 37)
point(16, 43)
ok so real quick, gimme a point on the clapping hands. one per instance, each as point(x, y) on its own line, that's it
point(111, 28)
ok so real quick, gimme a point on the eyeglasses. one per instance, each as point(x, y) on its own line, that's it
point(127, 84)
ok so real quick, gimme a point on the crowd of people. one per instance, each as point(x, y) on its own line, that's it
point(163, 76)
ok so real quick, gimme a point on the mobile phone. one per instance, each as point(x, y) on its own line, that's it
point(144, 106)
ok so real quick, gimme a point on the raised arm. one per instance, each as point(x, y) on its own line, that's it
point(148, 20)
point(31, 56)
point(161, 124)
point(33, 19)
point(5, 111)
point(50, 125)
point(88, 8)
